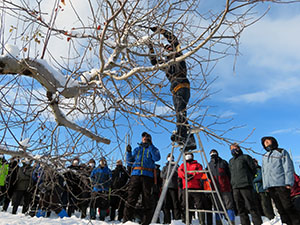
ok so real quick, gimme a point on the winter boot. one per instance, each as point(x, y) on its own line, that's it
point(231, 215)
point(40, 213)
point(63, 214)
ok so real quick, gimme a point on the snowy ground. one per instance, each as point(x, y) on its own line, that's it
point(6, 218)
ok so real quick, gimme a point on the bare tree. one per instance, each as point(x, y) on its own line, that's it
point(82, 75)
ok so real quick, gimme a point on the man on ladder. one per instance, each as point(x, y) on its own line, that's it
point(180, 86)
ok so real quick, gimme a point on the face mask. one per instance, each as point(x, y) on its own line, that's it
point(170, 159)
point(188, 157)
point(91, 164)
point(235, 152)
point(269, 148)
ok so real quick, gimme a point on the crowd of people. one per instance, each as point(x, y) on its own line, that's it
point(131, 194)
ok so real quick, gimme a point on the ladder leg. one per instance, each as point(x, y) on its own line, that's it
point(164, 191)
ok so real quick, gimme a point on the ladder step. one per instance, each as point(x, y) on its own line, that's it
point(202, 191)
point(206, 210)
point(195, 151)
point(196, 171)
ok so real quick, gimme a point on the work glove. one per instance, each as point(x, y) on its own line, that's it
point(128, 148)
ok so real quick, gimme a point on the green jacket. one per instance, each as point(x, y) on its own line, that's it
point(3, 173)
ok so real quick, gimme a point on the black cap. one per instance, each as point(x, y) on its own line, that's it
point(144, 134)
point(213, 152)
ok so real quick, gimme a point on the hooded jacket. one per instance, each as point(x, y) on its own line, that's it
point(195, 182)
point(144, 156)
point(277, 166)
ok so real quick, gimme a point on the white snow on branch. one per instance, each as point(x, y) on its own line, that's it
point(11, 51)
point(87, 76)
point(25, 143)
point(64, 80)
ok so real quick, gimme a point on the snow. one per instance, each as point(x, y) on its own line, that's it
point(62, 79)
point(25, 143)
point(20, 219)
point(11, 51)
point(86, 76)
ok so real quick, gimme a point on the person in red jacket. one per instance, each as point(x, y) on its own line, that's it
point(192, 182)
point(295, 192)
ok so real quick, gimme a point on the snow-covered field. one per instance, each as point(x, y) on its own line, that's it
point(6, 218)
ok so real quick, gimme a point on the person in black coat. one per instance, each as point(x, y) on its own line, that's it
point(120, 177)
point(171, 201)
point(22, 187)
point(242, 170)
point(73, 181)
point(84, 197)
point(180, 85)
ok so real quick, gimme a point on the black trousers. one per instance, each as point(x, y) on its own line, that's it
point(195, 201)
point(99, 201)
point(17, 198)
point(245, 201)
point(117, 202)
point(296, 202)
point(139, 185)
point(266, 204)
point(180, 101)
point(171, 203)
point(284, 205)
point(50, 200)
point(207, 204)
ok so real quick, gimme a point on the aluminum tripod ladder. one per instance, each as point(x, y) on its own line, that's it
point(216, 197)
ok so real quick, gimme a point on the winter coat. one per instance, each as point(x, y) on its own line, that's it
point(3, 172)
point(24, 180)
point(277, 169)
point(101, 179)
point(176, 72)
point(195, 182)
point(120, 177)
point(73, 179)
point(221, 173)
point(257, 181)
point(242, 170)
point(143, 159)
point(174, 180)
point(296, 187)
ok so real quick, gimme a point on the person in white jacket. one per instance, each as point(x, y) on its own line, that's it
point(278, 178)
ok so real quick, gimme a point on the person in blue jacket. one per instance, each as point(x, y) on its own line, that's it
point(278, 179)
point(142, 161)
point(101, 180)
